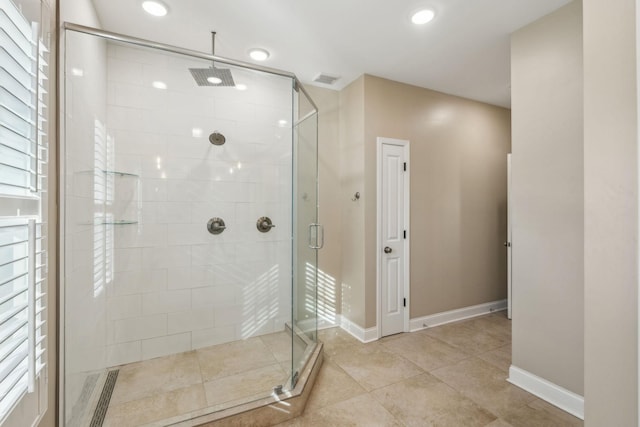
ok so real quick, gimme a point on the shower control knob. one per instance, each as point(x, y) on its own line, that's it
point(264, 224)
point(216, 225)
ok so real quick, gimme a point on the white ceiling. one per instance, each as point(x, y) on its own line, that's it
point(464, 51)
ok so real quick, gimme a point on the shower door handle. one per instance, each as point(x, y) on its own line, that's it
point(319, 235)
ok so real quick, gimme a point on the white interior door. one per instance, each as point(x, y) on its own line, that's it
point(392, 242)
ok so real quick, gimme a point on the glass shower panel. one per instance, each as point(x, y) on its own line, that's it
point(307, 233)
point(178, 229)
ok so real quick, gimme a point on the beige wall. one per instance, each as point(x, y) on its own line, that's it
point(547, 191)
point(352, 167)
point(458, 193)
point(330, 197)
point(611, 213)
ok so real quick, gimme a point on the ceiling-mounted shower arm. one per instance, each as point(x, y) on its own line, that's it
point(212, 76)
point(213, 47)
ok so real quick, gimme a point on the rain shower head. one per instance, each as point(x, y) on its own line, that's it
point(212, 76)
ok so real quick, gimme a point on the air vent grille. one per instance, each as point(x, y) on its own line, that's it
point(326, 79)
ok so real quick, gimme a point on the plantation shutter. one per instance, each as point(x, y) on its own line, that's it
point(23, 160)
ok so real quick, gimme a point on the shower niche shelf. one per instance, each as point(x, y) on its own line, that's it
point(111, 172)
point(121, 174)
point(115, 194)
point(118, 222)
point(113, 222)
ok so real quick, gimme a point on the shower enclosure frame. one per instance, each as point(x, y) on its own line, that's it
point(316, 230)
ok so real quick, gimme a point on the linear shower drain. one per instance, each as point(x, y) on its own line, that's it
point(105, 398)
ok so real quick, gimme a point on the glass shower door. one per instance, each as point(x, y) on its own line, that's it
point(307, 238)
point(162, 300)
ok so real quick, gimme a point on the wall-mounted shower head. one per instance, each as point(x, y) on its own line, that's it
point(217, 138)
point(212, 76)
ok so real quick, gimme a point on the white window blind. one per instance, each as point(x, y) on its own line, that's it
point(18, 97)
point(23, 159)
point(22, 308)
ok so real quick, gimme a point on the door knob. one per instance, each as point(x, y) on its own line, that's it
point(387, 250)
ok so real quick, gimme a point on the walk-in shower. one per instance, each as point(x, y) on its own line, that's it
point(189, 233)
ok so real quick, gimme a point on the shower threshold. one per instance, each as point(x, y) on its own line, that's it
point(234, 383)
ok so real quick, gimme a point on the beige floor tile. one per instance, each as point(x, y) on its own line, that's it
point(335, 340)
point(526, 416)
point(337, 335)
point(484, 384)
point(373, 366)
point(556, 413)
point(425, 401)
point(467, 387)
point(495, 324)
point(361, 410)
point(426, 352)
point(155, 376)
point(279, 344)
point(244, 386)
point(469, 338)
point(231, 358)
point(157, 407)
point(500, 358)
point(332, 385)
point(499, 423)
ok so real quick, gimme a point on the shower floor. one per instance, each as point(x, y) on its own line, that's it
point(169, 389)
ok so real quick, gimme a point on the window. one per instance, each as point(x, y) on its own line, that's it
point(23, 160)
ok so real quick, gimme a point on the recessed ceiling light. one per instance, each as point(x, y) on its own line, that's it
point(155, 7)
point(423, 16)
point(214, 80)
point(159, 85)
point(258, 54)
point(241, 86)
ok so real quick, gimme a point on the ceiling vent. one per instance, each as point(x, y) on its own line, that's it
point(325, 79)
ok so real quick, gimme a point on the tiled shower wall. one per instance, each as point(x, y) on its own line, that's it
point(166, 284)
point(176, 287)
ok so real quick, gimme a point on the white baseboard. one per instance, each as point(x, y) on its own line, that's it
point(455, 315)
point(554, 394)
point(364, 335)
point(371, 334)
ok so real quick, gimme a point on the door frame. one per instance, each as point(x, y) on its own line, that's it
point(407, 223)
point(508, 243)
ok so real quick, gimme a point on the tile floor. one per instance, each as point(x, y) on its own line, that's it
point(204, 380)
point(452, 375)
